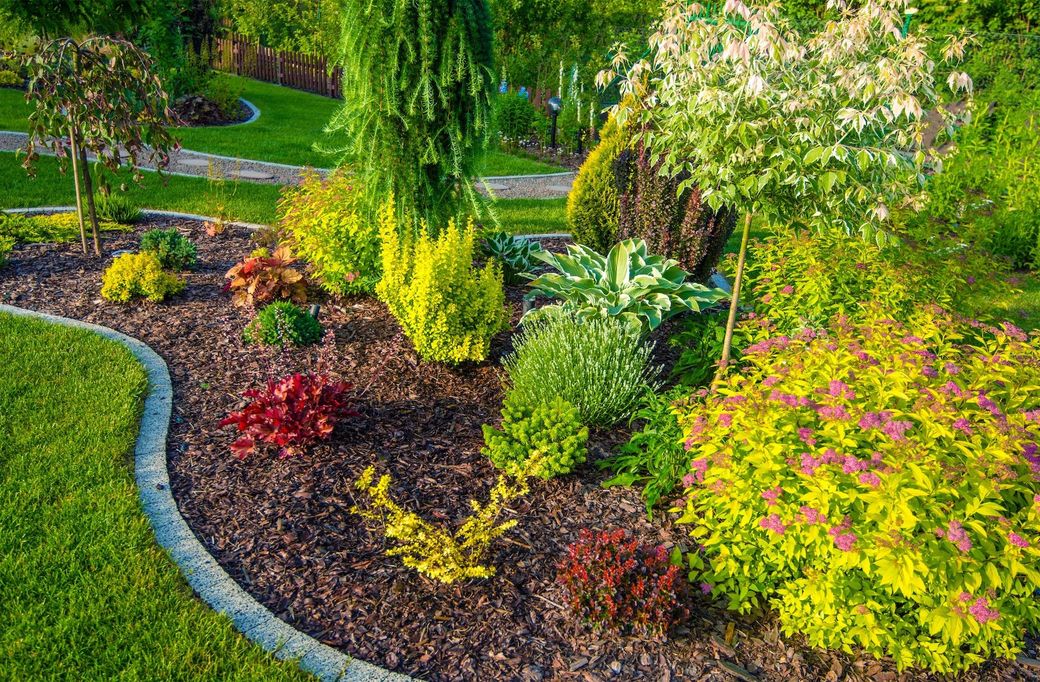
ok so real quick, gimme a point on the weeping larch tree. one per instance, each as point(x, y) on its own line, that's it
point(417, 83)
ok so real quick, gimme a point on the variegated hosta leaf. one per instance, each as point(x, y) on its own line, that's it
point(643, 289)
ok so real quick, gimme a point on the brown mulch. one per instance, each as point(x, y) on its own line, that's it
point(283, 530)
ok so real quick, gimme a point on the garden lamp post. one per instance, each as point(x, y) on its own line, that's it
point(555, 104)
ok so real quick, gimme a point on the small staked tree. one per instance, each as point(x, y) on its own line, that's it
point(101, 97)
point(822, 130)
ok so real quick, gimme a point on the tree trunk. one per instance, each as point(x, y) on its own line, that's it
point(734, 302)
point(74, 140)
point(88, 188)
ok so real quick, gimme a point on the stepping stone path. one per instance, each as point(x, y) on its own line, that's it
point(247, 174)
point(194, 163)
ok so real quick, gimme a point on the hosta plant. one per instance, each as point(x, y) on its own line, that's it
point(549, 429)
point(515, 254)
point(290, 414)
point(639, 289)
point(615, 582)
point(433, 550)
point(877, 485)
point(255, 281)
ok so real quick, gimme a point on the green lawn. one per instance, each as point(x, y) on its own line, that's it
point(245, 201)
point(532, 216)
point(291, 123)
point(87, 593)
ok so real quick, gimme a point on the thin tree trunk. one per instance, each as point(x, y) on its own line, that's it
point(74, 140)
point(734, 303)
point(88, 188)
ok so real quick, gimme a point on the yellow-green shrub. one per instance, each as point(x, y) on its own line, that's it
point(433, 550)
point(323, 222)
point(138, 275)
point(592, 207)
point(447, 308)
point(550, 430)
point(6, 244)
point(877, 484)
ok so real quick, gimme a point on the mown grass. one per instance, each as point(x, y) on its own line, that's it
point(498, 162)
point(87, 594)
point(532, 216)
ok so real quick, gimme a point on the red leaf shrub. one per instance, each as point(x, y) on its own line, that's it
point(619, 583)
point(292, 413)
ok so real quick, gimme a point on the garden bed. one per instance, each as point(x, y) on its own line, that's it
point(283, 528)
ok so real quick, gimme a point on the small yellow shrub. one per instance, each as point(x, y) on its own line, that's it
point(138, 274)
point(448, 309)
point(433, 550)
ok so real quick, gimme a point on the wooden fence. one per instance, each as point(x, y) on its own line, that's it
point(242, 56)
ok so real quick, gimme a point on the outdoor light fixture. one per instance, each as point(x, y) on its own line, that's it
point(555, 104)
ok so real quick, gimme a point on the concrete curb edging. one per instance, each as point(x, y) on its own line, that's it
point(44, 210)
point(198, 567)
point(254, 113)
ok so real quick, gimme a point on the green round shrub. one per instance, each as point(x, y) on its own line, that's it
point(174, 250)
point(549, 430)
point(283, 324)
point(595, 364)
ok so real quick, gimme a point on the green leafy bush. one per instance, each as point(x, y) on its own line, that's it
point(654, 456)
point(225, 93)
point(799, 280)
point(116, 208)
point(549, 429)
point(595, 364)
point(10, 79)
point(699, 342)
point(641, 290)
point(133, 275)
point(877, 485)
point(592, 205)
point(174, 250)
point(514, 254)
point(514, 116)
point(283, 323)
point(445, 306)
point(326, 227)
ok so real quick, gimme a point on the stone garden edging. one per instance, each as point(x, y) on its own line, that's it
point(173, 534)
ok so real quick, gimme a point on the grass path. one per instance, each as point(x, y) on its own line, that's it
point(291, 124)
point(87, 593)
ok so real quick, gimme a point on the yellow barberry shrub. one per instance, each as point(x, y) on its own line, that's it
point(135, 275)
point(431, 549)
point(593, 207)
point(445, 306)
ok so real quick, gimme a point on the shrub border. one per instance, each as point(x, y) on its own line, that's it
point(172, 532)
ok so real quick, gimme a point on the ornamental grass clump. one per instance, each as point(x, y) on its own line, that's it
point(324, 223)
point(595, 364)
point(549, 430)
point(615, 582)
point(877, 485)
point(445, 306)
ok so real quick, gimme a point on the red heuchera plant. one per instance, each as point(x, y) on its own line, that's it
point(619, 583)
point(292, 413)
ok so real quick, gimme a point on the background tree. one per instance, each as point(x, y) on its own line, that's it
point(417, 83)
point(822, 129)
point(100, 97)
point(56, 18)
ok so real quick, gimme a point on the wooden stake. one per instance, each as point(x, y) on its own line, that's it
point(734, 303)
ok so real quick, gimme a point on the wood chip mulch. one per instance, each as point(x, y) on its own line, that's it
point(283, 530)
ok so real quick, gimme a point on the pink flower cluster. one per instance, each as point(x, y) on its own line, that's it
point(980, 608)
point(893, 428)
point(772, 495)
point(956, 534)
point(844, 539)
point(1017, 540)
point(812, 516)
point(773, 523)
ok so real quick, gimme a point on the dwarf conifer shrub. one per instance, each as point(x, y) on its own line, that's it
point(592, 205)
point(550, 430)
point(138, 275)
point(283, 324)
point(877, 486)
point(324, 222)
point(446, 307)
point(595, 364)
point(174, 250)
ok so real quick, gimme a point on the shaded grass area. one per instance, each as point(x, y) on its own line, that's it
point(497, 162)
point(244, 201)
point(87, 593)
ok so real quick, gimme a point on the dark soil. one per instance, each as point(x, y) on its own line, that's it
point(199, 111)
point(283, 528)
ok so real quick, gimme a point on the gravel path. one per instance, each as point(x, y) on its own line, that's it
point(198, 164)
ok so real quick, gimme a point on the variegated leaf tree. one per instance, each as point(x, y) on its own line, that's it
point(102, 97)
point(819, 129)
